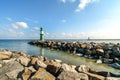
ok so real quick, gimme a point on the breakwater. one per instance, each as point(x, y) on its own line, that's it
point(102, 52)
point(20, 66)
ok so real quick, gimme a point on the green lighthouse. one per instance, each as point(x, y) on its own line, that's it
point(41, 34)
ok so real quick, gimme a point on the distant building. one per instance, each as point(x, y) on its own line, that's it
point(41, 34)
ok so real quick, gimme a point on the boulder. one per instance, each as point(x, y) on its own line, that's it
point(83, 45)
point(115, 65)
point(33, 60)
point(116, 51)
point(5, 55)
point(0, 65)
point(66, 67)
point(57, 60)
point(67, 75)
point(112, 78)
point(22, 54)
point(10, 60)
point(99, 61)
point(13, 74)
point(100, 51)
point(40, 63)
point(94, 76)
point(10, 71)
point(82, 68)
point(27, 73)
point(104, 73)
point(23, 60)
point(42, 74)
point(54, 68)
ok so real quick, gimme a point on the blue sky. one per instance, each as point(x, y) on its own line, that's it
point(61, 19)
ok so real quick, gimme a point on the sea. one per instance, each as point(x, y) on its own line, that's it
point(66, 57)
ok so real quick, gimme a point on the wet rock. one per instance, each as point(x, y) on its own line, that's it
point(82, 68)
point(116, 51)
point(23, 60)
point(104, 73)
point(67, 75)
point(115, 65)
point(42, 74)
point(66, 67)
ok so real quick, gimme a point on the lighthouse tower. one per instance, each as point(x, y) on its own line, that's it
point(41, 34)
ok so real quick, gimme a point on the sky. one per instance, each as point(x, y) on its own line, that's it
point(60, 19)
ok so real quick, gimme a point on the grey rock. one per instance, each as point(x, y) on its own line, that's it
point(23, 60)
point(112, 78)
point(57, 60)
point(82, 68)
point(66, 75)
point(67, 67)
point(115, 65)
point(40, 63)
point(0, 65)
point(27, 72)
point(99, 61)
point(10, 70)
point(42, 74)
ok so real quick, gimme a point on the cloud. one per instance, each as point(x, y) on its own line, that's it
point(18, 25)
point(83, 35)
point(83, 3)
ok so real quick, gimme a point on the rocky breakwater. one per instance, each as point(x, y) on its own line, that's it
point(19, 66)
point(102, 52)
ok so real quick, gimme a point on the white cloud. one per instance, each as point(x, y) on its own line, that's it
point(83, 35)
point(83, 3)
point(18, 25)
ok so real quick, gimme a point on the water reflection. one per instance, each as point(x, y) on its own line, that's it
point(42, 51)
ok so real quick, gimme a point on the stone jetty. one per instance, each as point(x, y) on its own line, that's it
point(102, 52)
point(20, 66)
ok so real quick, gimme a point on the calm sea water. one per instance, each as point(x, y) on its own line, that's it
point(22, 45)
